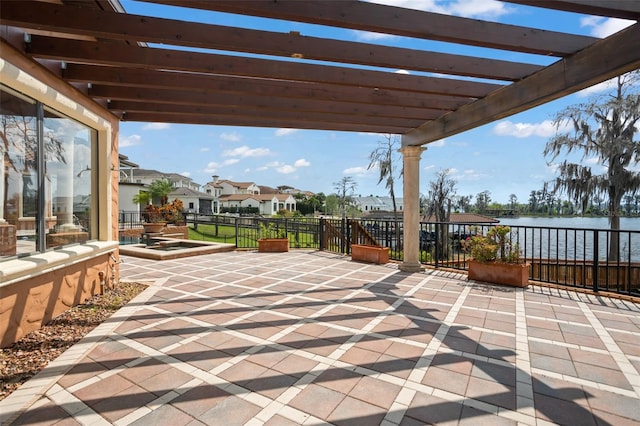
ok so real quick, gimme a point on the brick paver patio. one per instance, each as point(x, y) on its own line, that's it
point(246, 338)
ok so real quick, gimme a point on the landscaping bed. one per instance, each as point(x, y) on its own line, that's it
point(26, 357)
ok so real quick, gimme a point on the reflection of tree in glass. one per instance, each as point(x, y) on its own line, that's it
point(20, 150)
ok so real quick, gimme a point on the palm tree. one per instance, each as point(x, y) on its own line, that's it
point(384, 159)
point(160, 190)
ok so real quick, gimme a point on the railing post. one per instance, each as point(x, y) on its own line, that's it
point(596, 256)
point(437, 244)
point(321, 234)
point(237, 226)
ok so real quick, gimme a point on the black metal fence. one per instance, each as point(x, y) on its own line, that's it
point(596, 259)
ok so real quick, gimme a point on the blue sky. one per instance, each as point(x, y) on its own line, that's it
point(503, 158)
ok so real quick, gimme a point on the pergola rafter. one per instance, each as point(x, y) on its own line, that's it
point(157, 69)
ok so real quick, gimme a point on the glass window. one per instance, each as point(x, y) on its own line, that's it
point(19, 189)
point(47, 177)
point(69, 171)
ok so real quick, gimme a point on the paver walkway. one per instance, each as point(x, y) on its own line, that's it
point(246, 338)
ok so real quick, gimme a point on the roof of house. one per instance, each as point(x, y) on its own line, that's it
point(238, 197)
point(188, 192)
point(243, 185)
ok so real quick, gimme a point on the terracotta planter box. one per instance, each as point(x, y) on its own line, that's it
point(273, 245)
point(370, 254)
point(152, 228)
point(514, 274)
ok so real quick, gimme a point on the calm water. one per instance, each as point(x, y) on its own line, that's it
point(574, 244)
point(626, 223)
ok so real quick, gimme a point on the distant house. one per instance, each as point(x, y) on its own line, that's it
point(371, 204)
point(230, 187)
point(194, 201)
point(266, 204)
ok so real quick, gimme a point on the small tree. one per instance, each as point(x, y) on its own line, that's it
point(345, 188)
point(605, 129)
point(439, 199)
point(160, 190)
point(483, 199)
point(385, 158)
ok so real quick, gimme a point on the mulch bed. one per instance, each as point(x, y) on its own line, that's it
point(25, 358)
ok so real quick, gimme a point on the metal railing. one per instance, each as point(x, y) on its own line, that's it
point(596, 259)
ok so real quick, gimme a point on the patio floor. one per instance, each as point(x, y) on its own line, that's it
point(306, 337)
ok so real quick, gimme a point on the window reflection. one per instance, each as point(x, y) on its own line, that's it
point(68, 172)
point(19, 190)
point(43, 212)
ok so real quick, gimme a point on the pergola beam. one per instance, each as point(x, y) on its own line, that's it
point(116, 26)
point(623, 9)
point(606, 59)
point(249, 101)
point(251, 112)
point(196, 62)
point(259, 122)
point(130, 77)
point(384, 19)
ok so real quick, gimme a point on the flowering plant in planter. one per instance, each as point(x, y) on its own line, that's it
point(272, 238)
point(496, 258)
point(172, 212)
point(270, 231)
point(494, 246)
point(152, 214)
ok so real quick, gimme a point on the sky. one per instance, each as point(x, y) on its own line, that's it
point(504, 157)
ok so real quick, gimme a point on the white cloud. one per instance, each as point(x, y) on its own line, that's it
point(467, 8)
point(605, 86)
point(603, 27)
point(231, 137)
point(204, 149)
point(371, 36)
point(244, 152)
point(402, 72)
point(186, 174)
point(439, 143)
point(467, 175)
point(524, 130)
point(358, 171)
point(156, 126)
point(213, 166)
point(284, 132)
point(478, 8)
point(130, 141)
point(286, 169)
point(302, 163)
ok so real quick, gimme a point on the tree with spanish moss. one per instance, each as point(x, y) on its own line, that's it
point(606, 129)
point(442, 190)
point(385, 158)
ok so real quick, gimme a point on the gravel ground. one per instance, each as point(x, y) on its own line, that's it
point(25, 358)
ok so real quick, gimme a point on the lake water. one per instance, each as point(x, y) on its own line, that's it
point(626, 223)
point(574, 244)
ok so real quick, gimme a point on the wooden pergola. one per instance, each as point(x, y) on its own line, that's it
point(306, 82)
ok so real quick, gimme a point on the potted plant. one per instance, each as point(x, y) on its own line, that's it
point(496, 258)
point(272, 239)
point(172, 212)
point(153, 219)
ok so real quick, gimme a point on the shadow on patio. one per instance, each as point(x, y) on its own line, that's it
point(310, 337)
